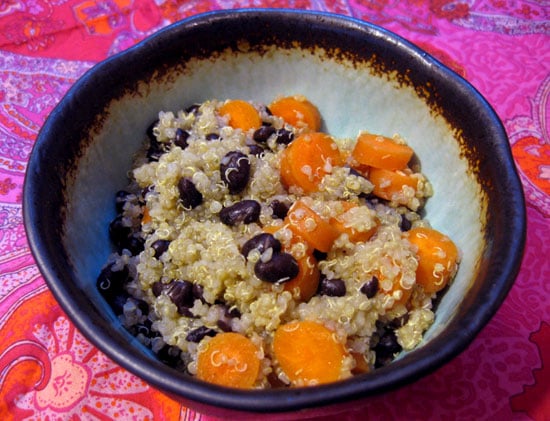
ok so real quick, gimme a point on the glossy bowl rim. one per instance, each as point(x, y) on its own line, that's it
point(402, 371)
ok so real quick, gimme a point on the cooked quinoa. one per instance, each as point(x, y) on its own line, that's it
point(179, 276)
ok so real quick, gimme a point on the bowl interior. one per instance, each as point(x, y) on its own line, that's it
point(361, 78)
point(363, 101)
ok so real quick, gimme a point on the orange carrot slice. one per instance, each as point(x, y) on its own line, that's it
point(389, 184)
point(242, 114)
point(354, 235)
point(308, 159)
point(309, 225)
point(403, 297)
point(308, 353)
point(400, 295)
point(305, 285)
point(287, 171)
point(146, 218)
point(297, 111)
point(437, 258)
point(229, 359)
point(381, 152)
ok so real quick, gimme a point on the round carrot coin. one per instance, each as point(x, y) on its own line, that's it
point(229, 359)
point(308, 353)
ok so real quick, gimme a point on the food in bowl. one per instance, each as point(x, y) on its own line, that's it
point(255, 251)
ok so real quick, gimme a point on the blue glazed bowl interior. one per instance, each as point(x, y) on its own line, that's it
point(361, 78)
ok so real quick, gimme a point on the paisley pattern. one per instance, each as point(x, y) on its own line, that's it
point(48, 370)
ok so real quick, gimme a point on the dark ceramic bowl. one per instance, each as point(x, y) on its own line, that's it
point(360, 76)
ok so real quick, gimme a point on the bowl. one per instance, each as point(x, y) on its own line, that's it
point(360, 76)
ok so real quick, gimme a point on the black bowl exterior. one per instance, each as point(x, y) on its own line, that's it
point(53, 163)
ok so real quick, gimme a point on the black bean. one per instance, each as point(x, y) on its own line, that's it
point(263, 134)
point(261, 242)
point(144, 329)
point(319, 255)
point(156, 149)
point(235, 171)
point(284, 136)
point(232, 312)
point(399, 321)
point(121, 198)
point(199, 333)
point(405, 224)
point(149, 131)
point(224, 322)
point(111, 283)
point(136, 303)
point(255, 150)
point(370, 200)
point(386, 348)
point(134, 244)
point(355, 173)
point(245, 211)
point(181, 138)
point(158, 287)
point(332, 287)
point(121, 276)
point(142, 305)
point(189, 195)
point(181, 294)
point(117, 302)
point(193, 108)
point(370, 288)
point(119, 232)
point(146, 190)
point(212, 136)
point(282, 267)
point(160, 246)
point(224, 325)
point(170, 355)
point(280, 209)
point(198, 292)
point(123, 237)
point(185, 311)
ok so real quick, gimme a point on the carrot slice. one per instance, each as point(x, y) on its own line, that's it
point(308, 353)
point(272, 229)
point(389, 184)
point(242, 114)
point(305, 285)
point(309, 225)
point(400, 295)
point(381, 152)
point(146, 218)
point(354, 235)
point(437, 258)
point(229, 359)
point(308, 159)
point(297, 111)
point(404, 296)
point(361, 169)
point(287, 171)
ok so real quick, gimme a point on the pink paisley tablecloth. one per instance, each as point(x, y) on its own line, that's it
point(49, 371)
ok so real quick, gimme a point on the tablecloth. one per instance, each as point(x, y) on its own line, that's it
point(49, 371)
